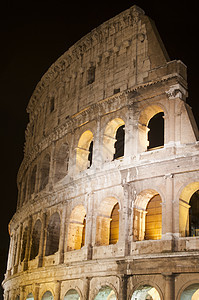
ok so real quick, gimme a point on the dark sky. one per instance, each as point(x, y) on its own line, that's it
point(34, 33)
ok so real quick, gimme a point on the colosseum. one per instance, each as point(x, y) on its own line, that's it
point(108, 204)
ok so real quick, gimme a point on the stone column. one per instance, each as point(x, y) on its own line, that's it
point(18, 248)
point(123, 287)
point(89, 225)
point(97, 146)
point(62, 236)
point(57, 290)
point(36, 294)
point(169, 286)
point(42, 240)
point(124, 225)
point(28, 244)
point(167, 225)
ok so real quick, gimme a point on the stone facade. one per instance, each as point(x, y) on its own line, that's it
point(103, 212)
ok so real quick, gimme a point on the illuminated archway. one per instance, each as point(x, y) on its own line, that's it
point(113, 141)
point(76, 230)
point(84, 151)
point(35, 239)
point(72, 295)
point(147, 223)
point(146, 292)
point(61, 162)
point(107, 223)
point(106, 293)
point(185, 215)
point(156, 112)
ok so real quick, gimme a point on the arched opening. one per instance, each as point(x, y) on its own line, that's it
point(35, 240)
point(47, 296)
point(107, 223)
point(156, 131)
point(44, 172)
point(153, 229)
point(72, 295)
point(106, 293)
point(114, 225)
point(53, 233)
point(189, 210)
point(24, 186)
point(18, 297)
point(191, 292)
point(151, 128)
point(61, 162)
point(77, 229)
point(84, 151)
point(24, 243)
point(33, 180)
point(30, 297)
point(119, 144)
point(113, 141)
point(147, 223)
point(146, 292)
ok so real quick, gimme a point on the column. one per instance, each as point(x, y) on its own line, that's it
point(123, 287)
point(89, 225)
point(126, 213)
point(42, 240)
point(97, 146)
point(36, 294)
point(62, 236)
point(18, 248)
point(57, 290)
point(167, 224)
point(169, 286)
point(28, 244)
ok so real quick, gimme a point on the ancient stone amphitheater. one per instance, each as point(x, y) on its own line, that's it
point(108, 203)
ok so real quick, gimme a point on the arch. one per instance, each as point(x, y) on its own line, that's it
point(77, 228)
point(24, 243)
point(35, 239)
point(146, 292)
point(33, 180)
point(106, 293)
point(72, 294)
point(84, 151)
point(108, 207)
point(61, 162)
point(113, 140)
point(44, 172)
point(147, 223)
point(189, 197)
point(17, 297)
point(30, 297)
point(156, 131)
point(152, 111)
point(53, 235)
point(47, 296)
point(191, 292)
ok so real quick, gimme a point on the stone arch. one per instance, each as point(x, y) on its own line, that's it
point(107, 293)
point(146, 292)
point(17, 297)
point(53, 234)
point(36, 234)
point(148, 201)
point(30, 297)
point(61, 162)
point(76, 229)
point(103, 222)
point(84, 151)
point(24, 243)
point(47, 296)
point(184, 207)
point(146, 115)
point(189, 292)
point(110, 149)
point(32, 181)
point(72, 294)
point(44, 172)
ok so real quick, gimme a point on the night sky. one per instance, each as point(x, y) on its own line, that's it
point(34, 33)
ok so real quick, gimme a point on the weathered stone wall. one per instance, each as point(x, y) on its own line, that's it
point(117, 75)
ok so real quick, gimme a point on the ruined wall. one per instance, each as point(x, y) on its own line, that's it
point(81, 180)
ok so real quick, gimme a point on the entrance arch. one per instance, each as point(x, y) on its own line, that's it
point(72, 295)
point(189, 210)
point(106, 293)
point(191, 292)
point(47, 296)
point(146, 292)
point(30, 297)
